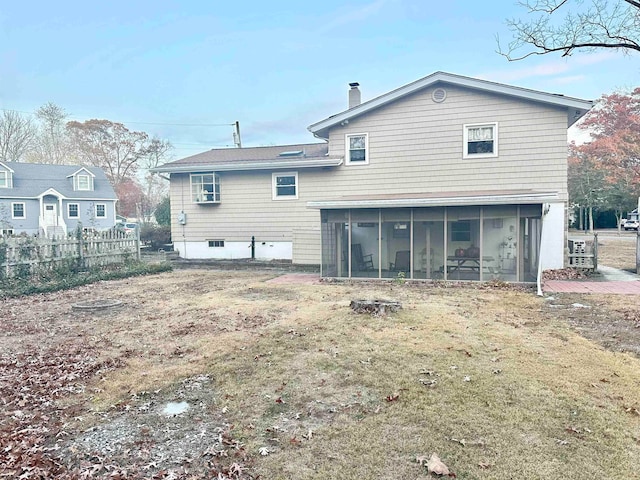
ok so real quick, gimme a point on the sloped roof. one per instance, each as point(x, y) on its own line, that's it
point(304, 155)
point(576, 107)
point(32, 179)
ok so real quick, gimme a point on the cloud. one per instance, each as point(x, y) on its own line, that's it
point(568, 80)
point(343, 18)
point(549, 69)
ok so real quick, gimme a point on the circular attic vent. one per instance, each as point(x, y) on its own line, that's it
point(438, 95)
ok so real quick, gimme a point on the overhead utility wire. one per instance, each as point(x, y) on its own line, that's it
point(145, 123)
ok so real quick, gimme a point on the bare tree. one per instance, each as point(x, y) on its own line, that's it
point(17, 136)
point(155, 187)
point(52, 144)
point(587, 25)
point(110, 146)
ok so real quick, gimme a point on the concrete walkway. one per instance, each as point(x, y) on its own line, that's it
point(613, 281)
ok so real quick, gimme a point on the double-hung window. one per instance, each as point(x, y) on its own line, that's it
point(101, 210)
point(205, 188)
point(5, 180)
point(285, 186)
point(83, 182)
point(357, 151)
point(481, 140)
point(73, 210)
point(18, 210)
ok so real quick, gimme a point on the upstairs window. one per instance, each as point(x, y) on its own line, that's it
point(5, 179)
point(481, 140)
point(285, 185)
point(357, 149)
point(83, 181)
point(205, 188)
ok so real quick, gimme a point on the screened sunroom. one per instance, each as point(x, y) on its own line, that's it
point(484, 242)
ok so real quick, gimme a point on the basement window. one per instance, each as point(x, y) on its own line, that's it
point(205, 188)
point(216, 243)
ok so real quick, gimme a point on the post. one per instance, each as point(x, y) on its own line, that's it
point(137, 230)
point(253, 247)
point(595, 252)
point(637, 250)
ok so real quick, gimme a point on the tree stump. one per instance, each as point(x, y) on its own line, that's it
point(375, 307)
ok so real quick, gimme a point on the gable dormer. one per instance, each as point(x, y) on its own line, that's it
point(82, 180)
point(6, 176)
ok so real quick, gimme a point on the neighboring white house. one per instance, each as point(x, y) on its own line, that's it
point(446, 177)
point(54, 199)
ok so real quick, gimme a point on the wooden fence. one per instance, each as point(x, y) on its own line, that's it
point(28, 255)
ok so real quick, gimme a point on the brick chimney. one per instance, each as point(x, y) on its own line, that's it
point(354, 95)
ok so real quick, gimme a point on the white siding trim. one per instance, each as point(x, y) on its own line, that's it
point(552, 243)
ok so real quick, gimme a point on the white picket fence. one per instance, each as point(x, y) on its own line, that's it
point(29, 255)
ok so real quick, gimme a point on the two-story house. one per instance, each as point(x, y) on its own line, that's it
point(447, 177)
point(54, 199)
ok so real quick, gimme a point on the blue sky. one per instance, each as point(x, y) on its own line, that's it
point(185, 71)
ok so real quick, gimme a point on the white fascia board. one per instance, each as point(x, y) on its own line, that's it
point(79, 170)
point(437, 202)
point(226, 167)
point(577, 107)
point(52, 191)
point(6, 167)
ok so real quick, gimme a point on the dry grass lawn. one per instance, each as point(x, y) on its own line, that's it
point(496, 381)
point(618, 252)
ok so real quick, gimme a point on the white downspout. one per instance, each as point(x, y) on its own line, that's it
point(545, 210)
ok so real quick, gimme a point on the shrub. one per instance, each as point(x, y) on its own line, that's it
point(156, 236)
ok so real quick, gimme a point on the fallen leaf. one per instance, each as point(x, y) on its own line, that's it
point(467, 378)
point(264, 451)
point(484, 466)
point(435, 465)
point(392, 398)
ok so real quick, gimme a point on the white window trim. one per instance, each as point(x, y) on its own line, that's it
point(7, 179)
point(465, 133)
point(89, 183)
point(274, 178)
point(69, 210)
point(347, 156)
point(96, 210)
point(216, 181)
point(24, 210)
point(6, 232)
